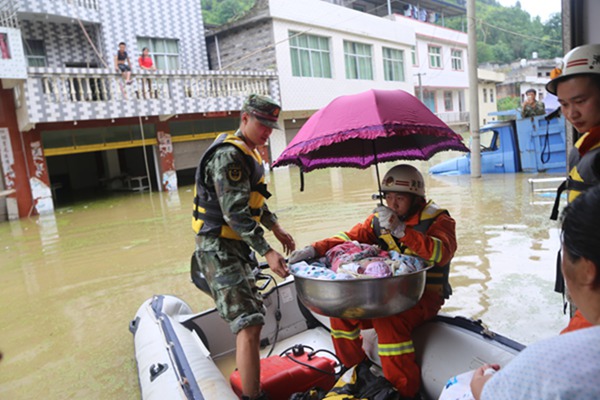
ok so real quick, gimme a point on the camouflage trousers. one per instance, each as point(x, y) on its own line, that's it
point(228, 267)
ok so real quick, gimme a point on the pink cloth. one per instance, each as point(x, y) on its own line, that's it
point(351, 251)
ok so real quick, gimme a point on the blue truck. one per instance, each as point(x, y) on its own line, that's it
point(535, 144)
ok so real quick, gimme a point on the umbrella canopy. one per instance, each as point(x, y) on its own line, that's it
point(363, 129)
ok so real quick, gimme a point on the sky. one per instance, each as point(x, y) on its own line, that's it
point(543, 8)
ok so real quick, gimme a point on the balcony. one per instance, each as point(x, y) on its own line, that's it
point(59, 10)
point(454, 118)
point(77, 94)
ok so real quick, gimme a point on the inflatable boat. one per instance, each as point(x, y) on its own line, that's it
point(185, 355)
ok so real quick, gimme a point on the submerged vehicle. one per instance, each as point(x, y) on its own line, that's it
point(533, 144)
point(182, 355)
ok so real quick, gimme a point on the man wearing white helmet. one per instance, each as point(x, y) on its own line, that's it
point(577, 86)
point(411, 225)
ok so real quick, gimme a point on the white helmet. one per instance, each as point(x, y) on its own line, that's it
point(580, 60)
point(404, 179)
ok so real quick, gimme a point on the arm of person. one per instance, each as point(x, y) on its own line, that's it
point(116, 62)
point(269, 221)
point(438, 244)
point(361, 232)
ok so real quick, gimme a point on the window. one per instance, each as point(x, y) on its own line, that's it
point(358, 60)
point(164, 52)
point(393, 64)
point(413, 54)
point(35, 53)
point(484, 95)
point(448, 103)
point(491, 95)
point(310, 55)
point(435, 57)
point(456, 57)
point(4, 51)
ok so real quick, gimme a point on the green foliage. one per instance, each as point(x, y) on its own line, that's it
point(507, 34)
point(219, 12)
point(508, 103)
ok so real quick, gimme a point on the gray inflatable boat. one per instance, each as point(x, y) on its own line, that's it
point(183, 355)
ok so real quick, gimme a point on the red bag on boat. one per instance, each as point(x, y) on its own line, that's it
point(282, 376)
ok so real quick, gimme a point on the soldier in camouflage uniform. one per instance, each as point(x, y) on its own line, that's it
point(229, 208)
point(531, 107)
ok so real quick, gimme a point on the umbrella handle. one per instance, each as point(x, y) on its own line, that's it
point(301, 180)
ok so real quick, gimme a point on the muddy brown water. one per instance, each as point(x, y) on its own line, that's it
point(70, 283)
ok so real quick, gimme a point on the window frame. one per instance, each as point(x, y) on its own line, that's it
point(159, 58)
point(437, 56)
point(446, 93)
point(355, 59)
point(296, 50)
point(44, 57)
point(456, 61)
point(391, 65)
point(485, 97)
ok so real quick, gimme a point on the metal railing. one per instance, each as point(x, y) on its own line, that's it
point(8, 14)
point(91, 4)
point(454, 117)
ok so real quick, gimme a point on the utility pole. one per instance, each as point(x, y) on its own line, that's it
point(420, 86)
point(473, 92)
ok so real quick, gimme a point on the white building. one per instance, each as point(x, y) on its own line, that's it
point(439, 62)
point(488, 96)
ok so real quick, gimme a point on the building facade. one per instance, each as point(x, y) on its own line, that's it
point(71, 123)
point(319, 50)
point(488, 94)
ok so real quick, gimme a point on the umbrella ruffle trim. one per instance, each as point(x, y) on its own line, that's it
point(371, 133)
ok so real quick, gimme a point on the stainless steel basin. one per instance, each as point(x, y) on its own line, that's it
point(361, 298)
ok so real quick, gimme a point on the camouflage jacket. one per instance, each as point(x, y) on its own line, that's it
point(538, 108)
point(234, 195)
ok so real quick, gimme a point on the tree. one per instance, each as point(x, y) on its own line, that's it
point(509, 103)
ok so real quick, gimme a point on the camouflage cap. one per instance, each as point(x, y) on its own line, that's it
point(265, 109)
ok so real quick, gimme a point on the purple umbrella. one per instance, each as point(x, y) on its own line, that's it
point(363, 129)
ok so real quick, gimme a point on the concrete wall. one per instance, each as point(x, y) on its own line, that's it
point(248, 47)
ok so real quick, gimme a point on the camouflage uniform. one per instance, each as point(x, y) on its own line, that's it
point(538, 108)
point(228, 263)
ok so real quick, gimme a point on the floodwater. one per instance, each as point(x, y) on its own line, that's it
point(70, 283)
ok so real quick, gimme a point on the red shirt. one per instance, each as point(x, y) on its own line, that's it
point(145, 62)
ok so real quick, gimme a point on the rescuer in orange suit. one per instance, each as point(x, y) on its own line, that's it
point(414, 226)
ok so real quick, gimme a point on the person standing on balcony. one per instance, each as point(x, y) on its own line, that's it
point(145, 61)
point(122, 63)
point(577, 86)
point(146, 64)
point(531, 107)
point(229, 208)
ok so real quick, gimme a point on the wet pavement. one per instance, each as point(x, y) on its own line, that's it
point(70, 283)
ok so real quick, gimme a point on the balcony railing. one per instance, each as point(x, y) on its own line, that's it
point(71, 94)
point(458, 117)
point(91, 4)
point(95, 87)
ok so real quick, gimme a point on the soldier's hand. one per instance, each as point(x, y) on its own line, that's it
point(277, 263)
point(286, 240)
